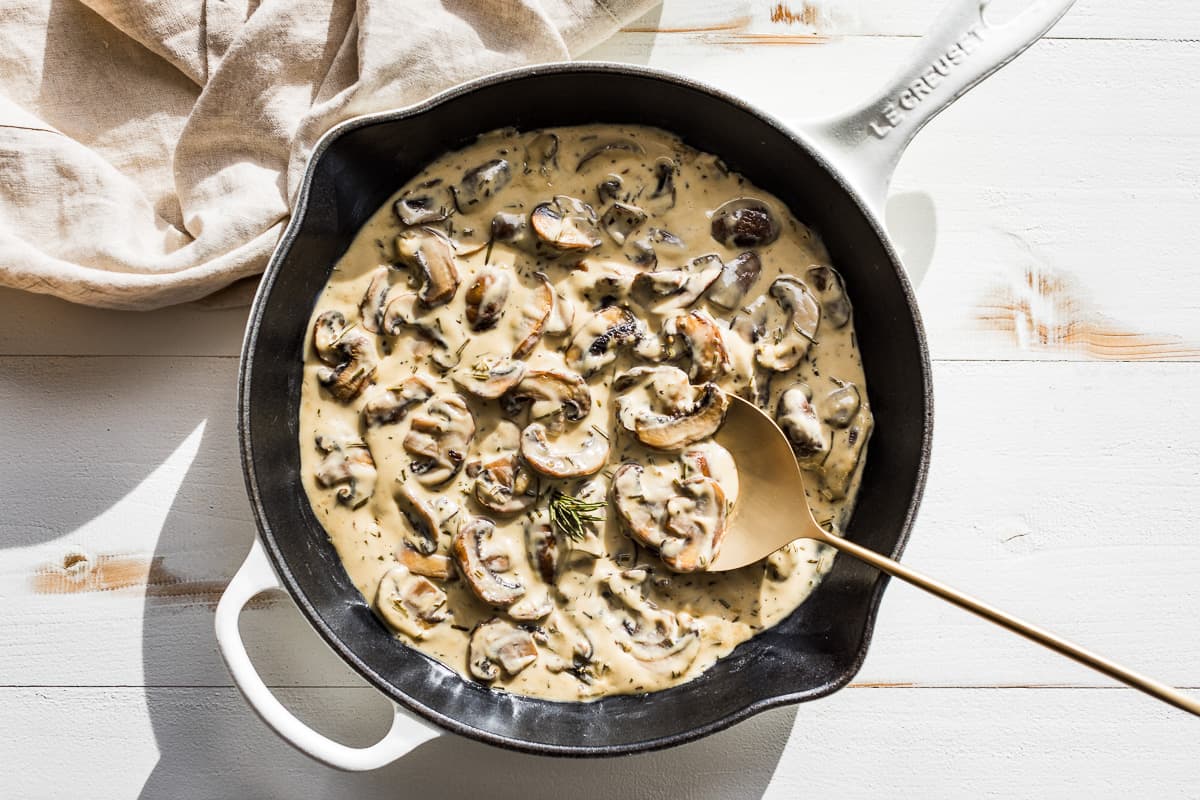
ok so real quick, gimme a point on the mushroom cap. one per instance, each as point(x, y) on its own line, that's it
point(735, 280)
point(702, 340)
point(620, 220)
point(798, 420)
point(481, 183)
point(374, 299)
point(499, 645)
point(554, 391)
point(782, 324)
point(831, 290)
point(505, 486)
point(409, 603)
point(745, 222)
point(674, 432)
point(348, 350)
point(349, 467)
point(485, 298)
point(433, 254)
point(566, 224)
point(666, 290)
point(542, 545)
point(559, 462)
point(432, 565)
point(421, 208)
point(469, 549)
point(534, 316)
point(841, 405)
point(595, 344)
point(490, 377)
point(392, 405)
point(438, 439)
point(427, 517)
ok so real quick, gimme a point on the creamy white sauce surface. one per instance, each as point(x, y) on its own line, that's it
point(391, 405)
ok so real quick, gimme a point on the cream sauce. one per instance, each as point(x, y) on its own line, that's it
point(619, 621)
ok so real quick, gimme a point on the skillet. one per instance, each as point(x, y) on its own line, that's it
point(833, 175)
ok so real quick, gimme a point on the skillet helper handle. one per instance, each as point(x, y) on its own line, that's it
point(1156, 689)
point(254, 577)
point(958, 52)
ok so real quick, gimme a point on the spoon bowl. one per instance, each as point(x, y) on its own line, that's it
point(772, 510)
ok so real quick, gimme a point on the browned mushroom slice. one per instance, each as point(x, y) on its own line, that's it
point(472, 550)
point(674, 432)
point(499, 645)
point(542, 153)
point(782, 326)
point(486, 297)
point(542, 544)
point(349, 467)
point(566, 224)
point(489, 377)
point(505, 486)
point(615, 147)
point(512, 229)
point(695, 525)
point(425, 205)
point(534, 317)
point(392, 405)
point(532, 607)
point(411, 604)
point(610, 188)
point(438, 439)
point(480, 184)
point(604, 282)
point(845, 455)
point(745, 222)
point(348, 351)
point(735, 280)
point(554, 391)
point(841, 405)
point(595, 344)
point(430, 565)
point(566, 457)
point(663, 640)
point(701, 339)
point(832, 293)
point(432, 253)
point(373, 302)
point(639, 510)
point(621, 220)
point(669, 289)
point(428, 517)
point(662, 196)
point(798, 420)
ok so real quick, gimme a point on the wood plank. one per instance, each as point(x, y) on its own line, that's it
point(935, 743)
point(122, 514)
point(740, 21)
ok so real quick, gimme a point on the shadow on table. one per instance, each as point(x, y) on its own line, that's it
point(211, 745)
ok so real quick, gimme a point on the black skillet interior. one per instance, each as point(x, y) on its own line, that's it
point(815, 651)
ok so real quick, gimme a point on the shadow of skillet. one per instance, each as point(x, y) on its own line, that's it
point(210, 744)
point(912, 223)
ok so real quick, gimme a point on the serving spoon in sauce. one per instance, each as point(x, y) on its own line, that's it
point(773, 510)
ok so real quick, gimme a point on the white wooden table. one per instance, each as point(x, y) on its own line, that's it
point(1050, 220)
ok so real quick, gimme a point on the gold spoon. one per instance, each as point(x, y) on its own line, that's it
point(772, 510)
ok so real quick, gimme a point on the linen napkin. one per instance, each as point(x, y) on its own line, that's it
point(149, 149)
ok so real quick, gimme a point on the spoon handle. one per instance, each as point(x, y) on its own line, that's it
point(1168, 694)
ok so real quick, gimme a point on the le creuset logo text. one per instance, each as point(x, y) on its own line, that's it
point(893, 112)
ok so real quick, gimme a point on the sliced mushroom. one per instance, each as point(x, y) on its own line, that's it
point(644, 250)
point(662, 197)
point(438, 439)
point(428, 518)
point(661, 639)
point(472, 550)
point(670, 289)
point(604, 282)
point(532, 607)
point(499, 645)
point(481, 183)
point(433, 254)
point(674, 431)
point(845, 455)
point(432, 565)
point(699, 336)
point(542, 152)
point(374, 299)
point(348, 466)
point(566, 224)
point(423, 206)
point(553, 392)
point(486, 297)
point(610, 188)
point(558, 460)
point(542, 545)
point(595, 344)
point(512, 229)
point(411, 604)
point(621, 220)
point(841, 405)
point(407, 311)
point(798, 420)
point(832, 292)
point(348, 350)
point(618, 147)
point(685, 522)
point(745, 222)
point(783, 325)
point(735, 281)
point(505, 486)
point(561, 316)
point(535, 315)
point(490, 376)
point(392, 405)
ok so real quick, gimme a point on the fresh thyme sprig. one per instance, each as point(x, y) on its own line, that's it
point(568, 514)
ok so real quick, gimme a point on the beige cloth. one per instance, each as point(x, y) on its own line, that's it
point(149, 148)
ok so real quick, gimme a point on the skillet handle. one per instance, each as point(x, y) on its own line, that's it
point(962, 49)
point(254, 577)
